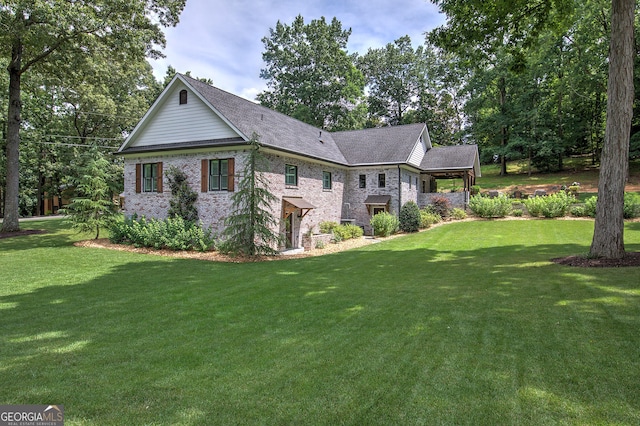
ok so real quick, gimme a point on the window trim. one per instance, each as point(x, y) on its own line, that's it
point(149, 184)
point(206, 176)
point(327, 181)
point(290, 171)
point(221, 178)
point(182, 97)
point(382, 180)
point(362, 181)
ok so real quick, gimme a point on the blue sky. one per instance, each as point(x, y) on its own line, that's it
point(221, 40)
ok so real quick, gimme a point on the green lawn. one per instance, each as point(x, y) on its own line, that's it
point(468, 323)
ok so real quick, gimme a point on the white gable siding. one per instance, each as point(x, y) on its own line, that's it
point(172, 122)
point(417, 154)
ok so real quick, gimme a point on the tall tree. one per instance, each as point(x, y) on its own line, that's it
point(394, 75)
point(250, 228)
point(37, 34)
point(608, 236)
point(310, 75)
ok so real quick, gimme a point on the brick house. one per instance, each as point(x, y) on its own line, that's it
point(317, 175)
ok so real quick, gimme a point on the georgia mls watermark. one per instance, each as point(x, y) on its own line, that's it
point(31, 415)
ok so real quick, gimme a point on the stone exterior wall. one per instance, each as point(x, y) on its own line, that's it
point(457, 199)
point(345, 199)
point(327, 202)
point(214, 206)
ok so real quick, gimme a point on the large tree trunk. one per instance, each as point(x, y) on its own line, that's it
point(608, 236)
point(503, 128)
point(11, 208)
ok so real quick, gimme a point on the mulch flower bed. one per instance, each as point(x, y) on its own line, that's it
point(629, 259)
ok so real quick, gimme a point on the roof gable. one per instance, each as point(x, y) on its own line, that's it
point(274, 129)
point(383, 145)
point(169, 122)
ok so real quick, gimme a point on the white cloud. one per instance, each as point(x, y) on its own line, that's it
point(221, 40)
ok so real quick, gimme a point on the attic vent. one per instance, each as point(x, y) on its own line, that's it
point(183, 97)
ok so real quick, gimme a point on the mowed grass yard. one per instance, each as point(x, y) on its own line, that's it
point(467, 323)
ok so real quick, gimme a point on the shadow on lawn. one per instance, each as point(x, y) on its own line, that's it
point(495, 335)
point(51, 236)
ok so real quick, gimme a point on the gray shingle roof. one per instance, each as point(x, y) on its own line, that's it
point(450, 157)
point(275, 129)
point(380, 145)
point(386, 145)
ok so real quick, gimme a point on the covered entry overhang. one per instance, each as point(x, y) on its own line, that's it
point(377, 203)
point(377, 200)
point(292, 204)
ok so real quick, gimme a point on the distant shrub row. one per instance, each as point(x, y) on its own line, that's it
point(172, 233)
point(631, 208)
point(555, 205)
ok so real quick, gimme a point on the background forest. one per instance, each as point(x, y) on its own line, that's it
point(539, 101)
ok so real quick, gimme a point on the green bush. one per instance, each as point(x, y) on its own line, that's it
point(578, 211)
point(631, 208)
point(458, 214)
point(428, 218)
point(590, 206)
point(517, 212)
point(354, 230)
point(326, 227)
point(172, 233)
point(490, 207)
point(410, 217)
point(384, 224)
point(631, 205)
point(553, 205)
point(347, 232)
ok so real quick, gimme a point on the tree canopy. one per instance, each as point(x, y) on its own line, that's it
point(43, 36)
point(310, 75)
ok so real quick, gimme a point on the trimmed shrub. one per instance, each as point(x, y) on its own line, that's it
point(347, 232)
point(428, 218)
point(554, 205)
point(440, 206)
point(631, 208)
point(631, 205)
point(410, 217)
point(486, 207)
point(172, 233)
point(384, 224)
point(326, 227)
point(458, 214)
point(590, 206)
point(577, 211)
